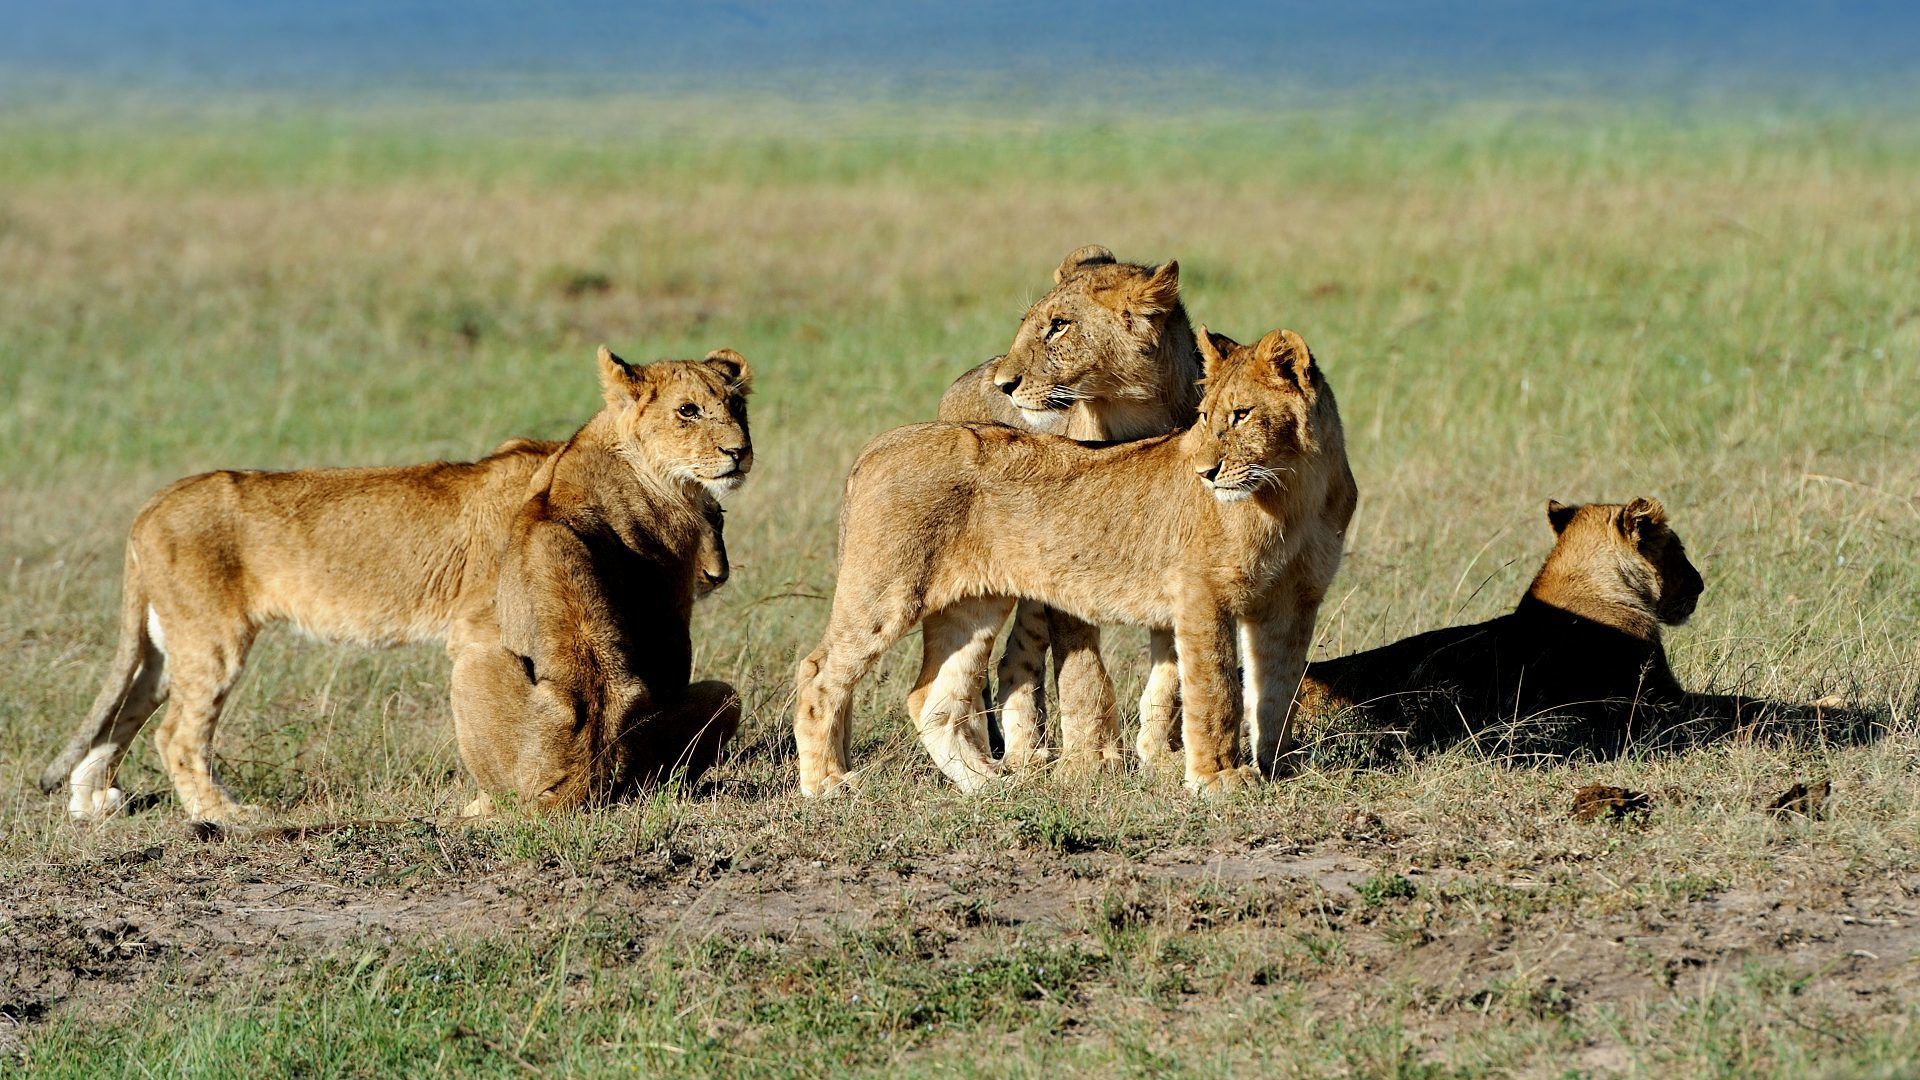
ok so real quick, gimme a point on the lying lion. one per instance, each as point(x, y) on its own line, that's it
point(1232, 528)
point(579, 687)
point(1583, 645)
point(372, 556)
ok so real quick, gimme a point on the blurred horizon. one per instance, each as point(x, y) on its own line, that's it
point(1077, 54)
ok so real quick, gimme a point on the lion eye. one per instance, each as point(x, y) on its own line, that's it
point(689, 410)
point(1055, 327)
point(1239, 415)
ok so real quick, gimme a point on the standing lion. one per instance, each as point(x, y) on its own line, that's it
point(1107, 355)
point(1227, 534)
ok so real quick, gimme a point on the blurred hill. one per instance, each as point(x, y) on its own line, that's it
point(1113, 50)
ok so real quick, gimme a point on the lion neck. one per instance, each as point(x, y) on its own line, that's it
point(1576, 588)
point(1167, 407)
point(1249, 533)
point(593, 478)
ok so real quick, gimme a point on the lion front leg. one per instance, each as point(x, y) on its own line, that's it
point(1159, 702)
point(1273, 657)
point(1089, 715)
point(1204, 640)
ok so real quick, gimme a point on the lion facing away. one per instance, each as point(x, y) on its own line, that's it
point(1583, 645)
point(1228, 534)
point(579, 686)
point(1106, 355)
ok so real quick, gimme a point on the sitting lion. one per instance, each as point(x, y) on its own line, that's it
point(1233, 527)
point(1106, 355)
point(580, 688)
point(1582, 646)
point(372, 556)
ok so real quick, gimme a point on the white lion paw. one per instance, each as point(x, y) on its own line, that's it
point(96, 804)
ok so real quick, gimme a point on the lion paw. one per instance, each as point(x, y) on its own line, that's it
point(972, 780)
point(96, 805)
point(1155, 744)
point(481, 806)
point(834, 784)
point(1107, 761)
point(1030, 758)
point(1223, 782)
point(228, 813)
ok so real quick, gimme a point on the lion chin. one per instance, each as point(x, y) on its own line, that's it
point(722, 486)
point(1046, 421)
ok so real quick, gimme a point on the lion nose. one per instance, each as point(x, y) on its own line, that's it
point(1008, 386)
point(1209, 472)
point(734, 453)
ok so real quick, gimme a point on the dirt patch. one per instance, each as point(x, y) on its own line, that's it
point(1806, 800)
point(1595, 801)
point(86, 939)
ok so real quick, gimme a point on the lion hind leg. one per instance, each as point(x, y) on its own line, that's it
point(203, 673)
point(489, 691)
point(1022, 686)
point(823, 689)
point(93, 791)
point(135, 686)
point(958, 642)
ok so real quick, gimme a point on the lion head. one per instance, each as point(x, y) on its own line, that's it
point(682, 419)
point(1257, 413)
point(1106, 331)
point(1624, 553)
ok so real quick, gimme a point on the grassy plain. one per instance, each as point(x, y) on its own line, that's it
point(1514, 304)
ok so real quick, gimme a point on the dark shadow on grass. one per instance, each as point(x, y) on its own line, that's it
point(1413, 725)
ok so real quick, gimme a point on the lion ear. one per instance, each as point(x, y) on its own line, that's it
point(1560, 515)
point(1160, 292)
point(1090, 255)
point(1211, 354)
point(1640, 514)
point(1289, 356)
point(619, 380)
point(732, 367)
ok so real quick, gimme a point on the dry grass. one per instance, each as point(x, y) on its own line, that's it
point(1583, 307)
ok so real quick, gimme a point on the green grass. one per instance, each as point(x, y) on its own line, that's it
point(1514, 303)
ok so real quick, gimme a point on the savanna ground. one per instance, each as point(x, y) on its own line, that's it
point(1721, 310)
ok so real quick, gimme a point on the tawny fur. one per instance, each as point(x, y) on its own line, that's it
point(1583, 644)
point(1232, 529)
point(579, 687)
point(1106, 355)
point(372, 556)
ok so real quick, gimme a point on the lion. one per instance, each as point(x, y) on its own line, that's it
point(1106, 355)
point(580, 685)
point(1583, 644)
point(373, 556)
point(1228, 534)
